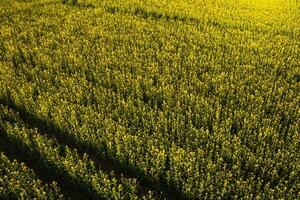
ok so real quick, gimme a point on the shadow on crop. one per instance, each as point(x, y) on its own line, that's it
point(14, 150)
point(98, 154)
point(153, 15)
point(211, 22)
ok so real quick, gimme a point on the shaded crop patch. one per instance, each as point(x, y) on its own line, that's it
point(14, 151)
point(101, 160)
point(160, 16)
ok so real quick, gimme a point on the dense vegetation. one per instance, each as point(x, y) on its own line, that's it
point(19, 182)
point(131, 99)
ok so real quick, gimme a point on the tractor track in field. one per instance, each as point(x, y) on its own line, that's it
point(62, 138)
point(14, 151)
point(160, 16)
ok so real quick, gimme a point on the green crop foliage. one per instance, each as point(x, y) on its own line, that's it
point(178, 99)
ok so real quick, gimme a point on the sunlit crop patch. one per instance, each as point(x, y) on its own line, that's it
point(130, 99)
